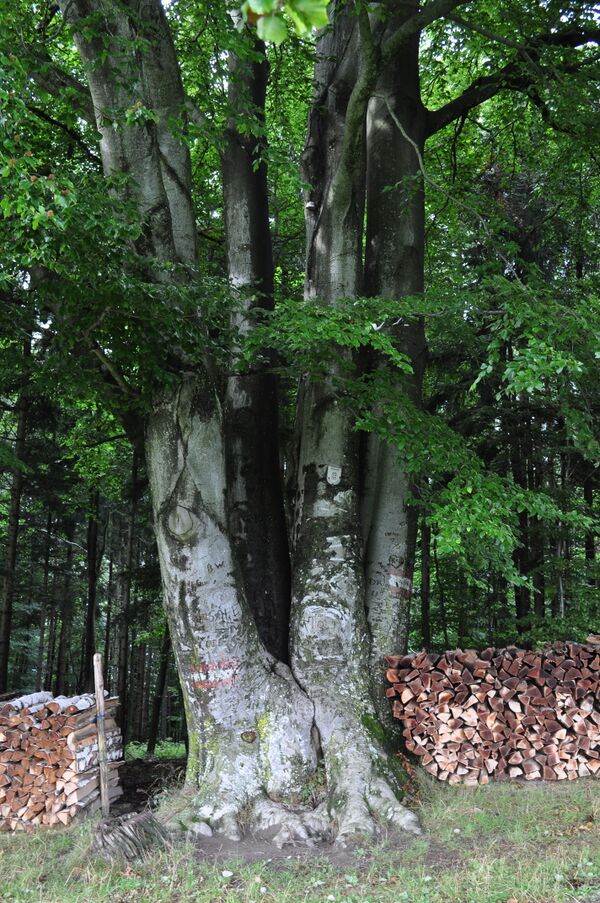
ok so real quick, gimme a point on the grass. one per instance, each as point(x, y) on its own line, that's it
point(531, 844)
point(165, 749)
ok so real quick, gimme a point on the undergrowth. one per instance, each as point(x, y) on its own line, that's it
point(494, 844)
point(165, 749)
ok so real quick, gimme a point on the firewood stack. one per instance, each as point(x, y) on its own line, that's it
point(49, 770)
point(473, 717)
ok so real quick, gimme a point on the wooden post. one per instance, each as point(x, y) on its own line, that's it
point(99, 688)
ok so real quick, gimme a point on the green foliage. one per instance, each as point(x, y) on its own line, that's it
point(165, 749)
point(269, 16)
point(308, 333)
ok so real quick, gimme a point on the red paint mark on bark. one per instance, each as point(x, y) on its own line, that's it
point(212, 675)
point(400, 583)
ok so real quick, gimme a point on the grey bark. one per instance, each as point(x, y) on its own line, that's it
point(394, 269)
point(251, 721)
point(329, 629)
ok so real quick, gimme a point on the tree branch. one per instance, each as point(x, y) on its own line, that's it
point(72, 134)
point(512, 76)
point(436, 9)
point(45, 73)
point(480, 29)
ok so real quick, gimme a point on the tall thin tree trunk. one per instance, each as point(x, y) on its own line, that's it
point(109, 604)
point(52, 632)
point(86, 680)
point(10, 565)
point(66, 612)
point(124, 580)
point(425, 584)
point(395, 248)
point(44, 604)
point(159, 691)
point(590, 536)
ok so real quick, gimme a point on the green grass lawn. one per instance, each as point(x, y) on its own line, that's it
point(481, 845)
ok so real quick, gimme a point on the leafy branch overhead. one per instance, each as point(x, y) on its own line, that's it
point(271, 17)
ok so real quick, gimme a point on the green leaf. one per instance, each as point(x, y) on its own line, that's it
point(271, 28)
point(313, 11)
point(300, 25)
point(262, 7)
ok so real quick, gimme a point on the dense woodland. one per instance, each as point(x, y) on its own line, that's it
point(468, 360)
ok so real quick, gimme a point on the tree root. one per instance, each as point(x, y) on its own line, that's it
point(129, 837)
point(364, 806)
point(357, 807)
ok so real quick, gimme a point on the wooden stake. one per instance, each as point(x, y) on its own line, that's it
point(102, 761)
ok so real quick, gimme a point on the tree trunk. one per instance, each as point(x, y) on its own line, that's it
point(328, 603)
point(256, 514)
point(249, 722)
point(14, 511)
point(86, 679)
point(425, 584)
point(107, 659)
point(123, 591)
point(590, 536)
point(39, 668)
point(66, 614)
point(159, 692)
point(254, 727)
point(394, 269)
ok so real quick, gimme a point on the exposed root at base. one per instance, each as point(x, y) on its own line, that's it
point(362, 810)
point(285, 824)
point(365, 807)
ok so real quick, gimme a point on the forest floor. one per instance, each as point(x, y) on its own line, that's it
point(505, 843)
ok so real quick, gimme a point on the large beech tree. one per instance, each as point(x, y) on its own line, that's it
point(280, 618)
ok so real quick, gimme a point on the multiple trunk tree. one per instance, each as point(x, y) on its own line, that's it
point(264, 616)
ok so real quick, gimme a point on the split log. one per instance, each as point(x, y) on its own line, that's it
point(49, 759)
point(500, 713)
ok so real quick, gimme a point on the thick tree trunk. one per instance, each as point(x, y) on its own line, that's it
point(394, 269)
point(256, 512)
point(249, 722)
point(329, 629)
point(253, 725)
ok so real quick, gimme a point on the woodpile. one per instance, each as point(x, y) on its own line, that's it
point(473, 717)
point(49, 770)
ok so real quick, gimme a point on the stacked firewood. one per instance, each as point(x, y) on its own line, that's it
point(501, 713)
point(49, 769)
